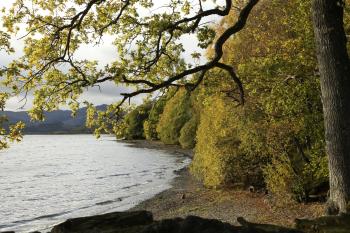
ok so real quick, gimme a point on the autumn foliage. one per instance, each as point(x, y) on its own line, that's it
point(276, 139)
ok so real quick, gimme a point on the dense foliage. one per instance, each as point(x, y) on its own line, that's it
point(276, 139)
point(218, 158)
point(188, 132)
point(134, 121)
point(150, 125)
point(281, 127)
point(177, 112)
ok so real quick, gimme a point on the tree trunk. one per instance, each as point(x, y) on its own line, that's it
point(334, 69)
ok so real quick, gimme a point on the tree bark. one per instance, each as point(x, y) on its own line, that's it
point(334, 69)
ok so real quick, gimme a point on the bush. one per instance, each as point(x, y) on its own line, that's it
point(292, 179)
point(134, 120)
point(176, 113)
point(218, 159)
point(150, 125)
point(187, 137)
point(148, 130)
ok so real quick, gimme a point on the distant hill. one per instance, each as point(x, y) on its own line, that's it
point(56, 122)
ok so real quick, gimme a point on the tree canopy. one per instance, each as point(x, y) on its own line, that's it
point(149, 47)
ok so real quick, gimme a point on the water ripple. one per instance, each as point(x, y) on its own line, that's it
point(47, 179)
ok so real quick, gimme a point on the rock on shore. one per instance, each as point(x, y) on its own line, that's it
point(126, 222)
point(142, 222)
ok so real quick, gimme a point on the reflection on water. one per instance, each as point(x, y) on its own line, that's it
point(49, 178)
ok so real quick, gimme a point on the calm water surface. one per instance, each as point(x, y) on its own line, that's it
point(47, 179)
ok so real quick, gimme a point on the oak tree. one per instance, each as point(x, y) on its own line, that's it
point(334, 66)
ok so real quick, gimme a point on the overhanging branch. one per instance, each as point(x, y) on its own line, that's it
point(162, 40)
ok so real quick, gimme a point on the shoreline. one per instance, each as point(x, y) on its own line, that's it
point(158, 145)
point(187, 196)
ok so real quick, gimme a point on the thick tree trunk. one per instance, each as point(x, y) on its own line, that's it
point(334, 69)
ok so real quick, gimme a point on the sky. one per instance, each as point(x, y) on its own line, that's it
point(104, 53)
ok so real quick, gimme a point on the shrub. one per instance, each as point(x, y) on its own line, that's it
point(187, 137)
point(218, 159)
point(150, 125)
point(134, 120)
point(176, 113)
point(290, 178)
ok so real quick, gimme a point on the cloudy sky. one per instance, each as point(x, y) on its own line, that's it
point(103, 53)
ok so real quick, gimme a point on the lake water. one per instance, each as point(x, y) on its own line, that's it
point(48, 178)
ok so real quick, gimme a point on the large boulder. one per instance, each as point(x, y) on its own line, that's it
point(191, 224)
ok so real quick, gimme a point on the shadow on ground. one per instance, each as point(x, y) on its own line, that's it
point(142, 222)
